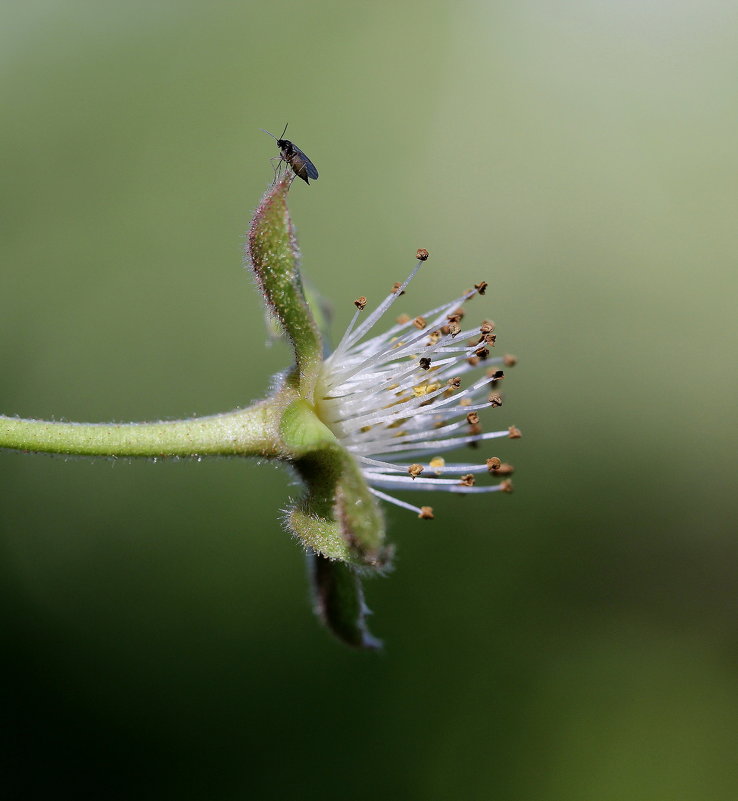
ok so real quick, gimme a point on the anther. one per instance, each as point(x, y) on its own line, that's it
point(422, 254)
point(454, 382)
point(473, 361)
point(420, 323)
point(425, 363)
point(456, 316)
point(494, 464)
point(505, 469)
point(495, 399)
point(402, 319)
point(481, 287)
point(454, 329)
point(467, 480)
point(360, 303)
point(482, 352)
point(509, 360)
point(472, 418)
point(506, 486)
point(514, 432)
point(415, 470)
point(426, 513)
point(396, 288)
point(495, 375)
point(437, 463)
point(487, 327)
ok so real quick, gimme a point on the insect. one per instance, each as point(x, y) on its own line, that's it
point(292, 155)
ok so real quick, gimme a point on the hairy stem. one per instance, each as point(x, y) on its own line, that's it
point(253, 431)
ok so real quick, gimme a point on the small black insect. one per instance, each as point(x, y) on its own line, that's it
point(292, 155)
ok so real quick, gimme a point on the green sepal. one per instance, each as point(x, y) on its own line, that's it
point(337, 516)
point(274, 257)
point(338, 600)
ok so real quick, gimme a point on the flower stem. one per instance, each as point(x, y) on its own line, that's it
point(253, 431)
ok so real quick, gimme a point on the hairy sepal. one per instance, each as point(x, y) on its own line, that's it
point(274, 258)
point(337, 517)
point(338, 600)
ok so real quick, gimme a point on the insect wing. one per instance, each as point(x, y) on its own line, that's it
point(306, 163)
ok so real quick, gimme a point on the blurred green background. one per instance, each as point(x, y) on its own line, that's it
point(576, 640)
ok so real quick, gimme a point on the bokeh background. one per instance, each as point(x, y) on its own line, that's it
point(576, 640)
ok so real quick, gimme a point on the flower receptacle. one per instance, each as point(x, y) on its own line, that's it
point(337, 516)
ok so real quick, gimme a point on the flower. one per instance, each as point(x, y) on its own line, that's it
point(397, 400)
point(370, 419)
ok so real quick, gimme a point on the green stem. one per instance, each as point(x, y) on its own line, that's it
point(244, 432)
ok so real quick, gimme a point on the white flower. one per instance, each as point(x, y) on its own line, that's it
point(404, 395)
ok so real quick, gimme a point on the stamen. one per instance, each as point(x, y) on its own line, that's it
point(398, 502)
point(399, 393)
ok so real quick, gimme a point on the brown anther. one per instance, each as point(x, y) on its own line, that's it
point(494, 464)
point(472, 418)
point(415, 470)
point(465, 402)
point(482, 352)
point(420, 323)
point(456, 316)
point(473, 361)
point(495, 399)
point(454, 382)
point(475, 429)
point(426, 513)
point(495, 375)
point(424, 363)
point(402, 319)
point(467, 480)
point(481, 287)
point(505, 469)
point(487, 327)
point(360, 303)
point(509, 360)
point(433, 337)
point(506, 485)
point(490, 339)
point(396, 288)
point(514, 432)
point(454, 329)
point(422, 254)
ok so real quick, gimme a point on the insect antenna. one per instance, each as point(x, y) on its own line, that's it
point(272, 135)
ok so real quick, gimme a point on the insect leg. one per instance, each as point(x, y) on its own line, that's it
point(278, 168)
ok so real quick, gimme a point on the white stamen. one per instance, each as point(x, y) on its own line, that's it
point(378, 400)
